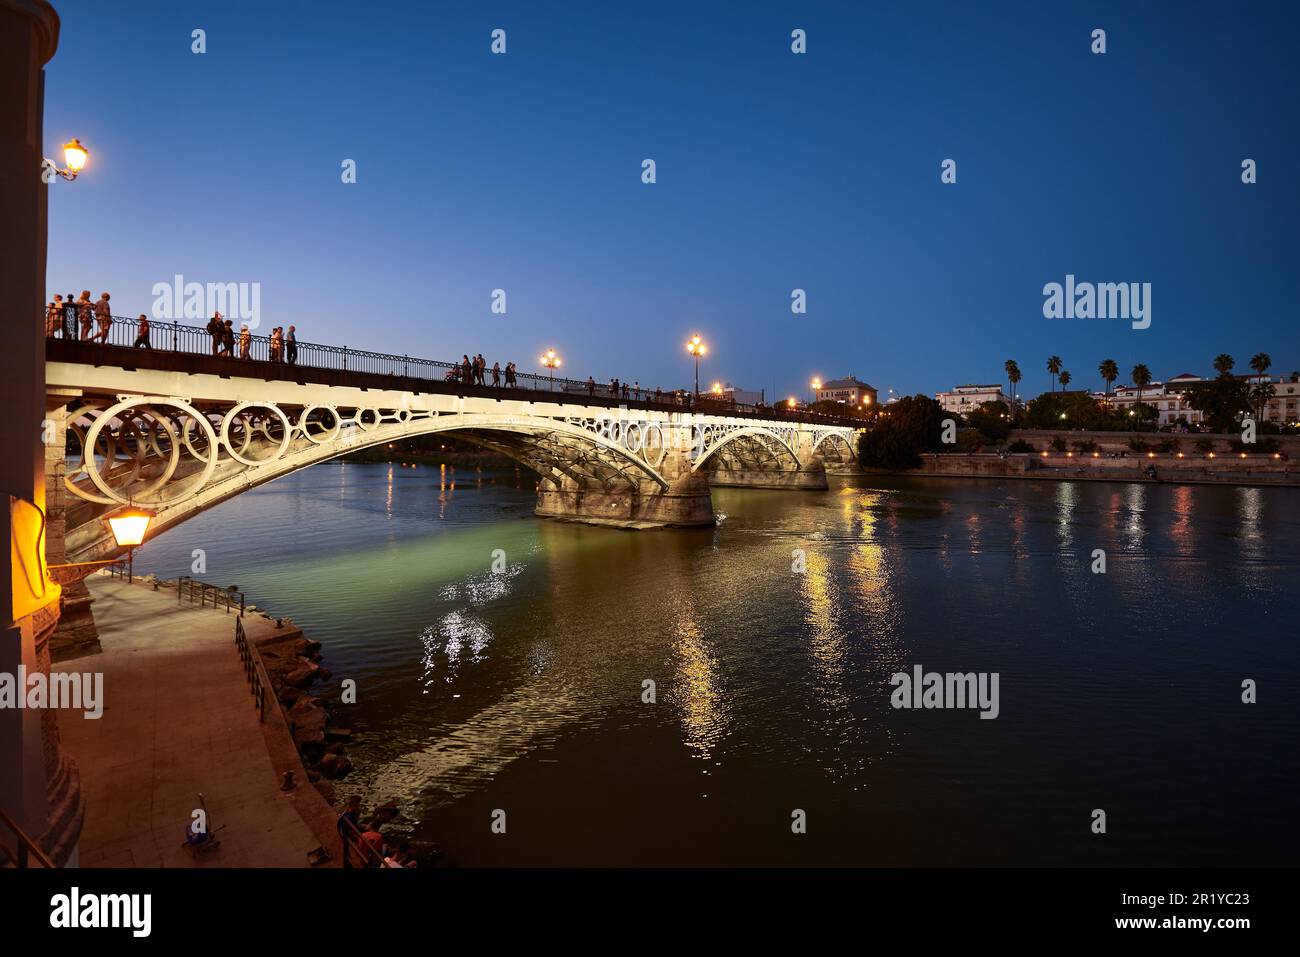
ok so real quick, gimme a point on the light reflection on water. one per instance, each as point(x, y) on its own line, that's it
point(524, 687)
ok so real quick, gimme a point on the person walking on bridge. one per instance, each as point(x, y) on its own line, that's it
point(85, 314)
point(591, 386)
point(216, 329)
point(228, 338)
point(291, 347)
point(245, 340)
point(53, 316)
point(277, 341)
point(496, 375)
point(103, 316)
point(466, 370)
point(511, 381)
point(142, 334)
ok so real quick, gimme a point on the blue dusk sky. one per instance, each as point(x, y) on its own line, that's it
point(775, 171)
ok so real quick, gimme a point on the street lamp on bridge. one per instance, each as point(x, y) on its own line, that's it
point(550, 361)
point(696, 347)
point(816, 384)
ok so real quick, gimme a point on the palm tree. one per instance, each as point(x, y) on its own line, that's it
point(1260, 362)
point(1008, 366)
point(1109, 372)
point(1141, 378)
point(1224, 363)
point(1013, 374)
point(1054, 366)
point(1065, 380)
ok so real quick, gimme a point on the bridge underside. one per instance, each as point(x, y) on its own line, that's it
point(180, 458)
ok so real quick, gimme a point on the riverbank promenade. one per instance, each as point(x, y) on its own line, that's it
point(178, 719)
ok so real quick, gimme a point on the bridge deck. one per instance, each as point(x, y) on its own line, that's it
point(192, 363)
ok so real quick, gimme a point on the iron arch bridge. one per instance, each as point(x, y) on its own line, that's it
point(180, 443)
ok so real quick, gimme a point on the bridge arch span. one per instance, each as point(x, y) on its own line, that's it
point(181, 458)
point(749, 445)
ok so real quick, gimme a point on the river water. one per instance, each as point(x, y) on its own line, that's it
point(771, 640)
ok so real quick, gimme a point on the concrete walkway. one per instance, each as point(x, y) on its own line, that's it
point(178, 720)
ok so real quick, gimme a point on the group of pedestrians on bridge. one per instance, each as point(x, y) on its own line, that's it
point(474, 372)
point(282, 346)
point(79, 318)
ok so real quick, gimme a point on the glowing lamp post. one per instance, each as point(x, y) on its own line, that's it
point(697, 347)
point(816, 384)
point(74, 154)
point(550, 361)
point(128, 526)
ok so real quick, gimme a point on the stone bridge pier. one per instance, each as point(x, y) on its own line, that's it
point(683, 501)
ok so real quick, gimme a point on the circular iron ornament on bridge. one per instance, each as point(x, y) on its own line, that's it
point(321, 438)
point(262, 427)
point(138, 449)
point(144, 406)
point(213, 419)
point(647, 446)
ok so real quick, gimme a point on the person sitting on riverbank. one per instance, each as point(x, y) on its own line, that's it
point(373, 838)
point(348, 823)
point(402, 857)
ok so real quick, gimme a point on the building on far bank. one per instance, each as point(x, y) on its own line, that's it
point(1170, 399)
point(968, 398)
point(849, 391)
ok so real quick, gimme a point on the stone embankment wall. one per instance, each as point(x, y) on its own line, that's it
point(1224, 469)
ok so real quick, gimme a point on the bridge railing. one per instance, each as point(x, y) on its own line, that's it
point(25, 850)
point(196, 340)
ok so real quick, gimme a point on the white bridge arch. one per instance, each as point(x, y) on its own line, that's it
point(181, 444)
